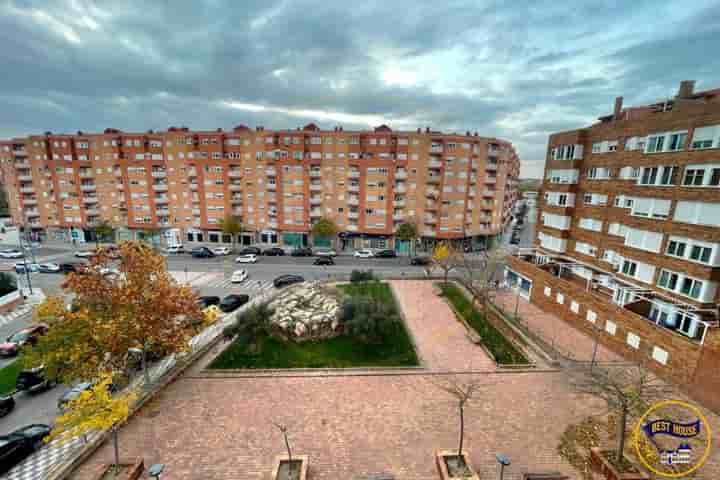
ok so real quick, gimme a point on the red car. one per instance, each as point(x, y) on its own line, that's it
point(26, 336)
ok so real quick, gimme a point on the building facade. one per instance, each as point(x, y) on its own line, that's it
point(628, 237)
point(182, 182)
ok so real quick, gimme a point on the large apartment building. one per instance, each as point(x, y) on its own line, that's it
point(450, 186)
point(628, 239)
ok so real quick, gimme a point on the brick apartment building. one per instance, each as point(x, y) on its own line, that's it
point(455, 187)
point(628, 238)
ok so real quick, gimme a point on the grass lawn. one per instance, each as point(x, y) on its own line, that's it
point(8, 377)
point(503, 351)
point(339, 352)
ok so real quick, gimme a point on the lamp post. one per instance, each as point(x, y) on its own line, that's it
point(155, 470)
point(503, 461)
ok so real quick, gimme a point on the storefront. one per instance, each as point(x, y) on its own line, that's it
point(295, 239)
point(194, 235)
point(518, 283)
point(268, 237)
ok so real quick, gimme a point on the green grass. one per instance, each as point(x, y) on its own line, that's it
point(340, 352)
point(8, 377)
point(503, 351)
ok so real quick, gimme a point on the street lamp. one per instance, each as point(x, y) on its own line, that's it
point(155, 470)
point(503, 461)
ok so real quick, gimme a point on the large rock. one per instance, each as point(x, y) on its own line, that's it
point(306, 312)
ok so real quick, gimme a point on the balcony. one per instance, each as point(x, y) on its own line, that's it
point(432, 192)
point(488, 193)
point(471, 193)
point(315, 200)
point(434, 164)
point(400, 188)
point(398, 216)
point(237, 211)
point(400, 174)
point(315, 187)
point(21, 165)
point(160, 187)
point(32, 212)
point(164, 222)
point(92, 211)
point(428, 232)
point(398, 203)
point(490, 179)
point(194, 186)
point(272, 224)
point(196, 211)
point(234, 173)
point(270, 172)
point(430, 219)
point(159, 174)
point(315, 173)
point(353, 215)
point(192, 172)
point(161, 199)
point(27, 190)
point(88, 187)
point(352, 228)
point(162, 211)
point(432, 206)
point(353, 201)
point(354, 174)
point(236, 199)
point(85, 173)
point(236, 187)
point(29, 201)
point(271, 186)
point(436, 149)
point(90, 200)
point(315, 213)
point(25, 178)
point(434, 179)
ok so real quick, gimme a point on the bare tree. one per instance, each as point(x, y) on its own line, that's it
point(479, 274)
point(463, 391)
point(283, 430)
point(446, 258)
point(626, 389)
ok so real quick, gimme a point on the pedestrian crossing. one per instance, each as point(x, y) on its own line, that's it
point(249, 284)
point(24, 311)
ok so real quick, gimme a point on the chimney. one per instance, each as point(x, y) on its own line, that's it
point(618, 108)
point(686, 89)
point(467, 133)
point(419, 130)
point(427, 129)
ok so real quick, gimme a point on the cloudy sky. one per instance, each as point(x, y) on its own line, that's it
point(510, 69)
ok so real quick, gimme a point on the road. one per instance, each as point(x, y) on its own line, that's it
point(208, 276)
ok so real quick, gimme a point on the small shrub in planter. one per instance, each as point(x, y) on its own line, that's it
point(368, 319)
point(357, 276)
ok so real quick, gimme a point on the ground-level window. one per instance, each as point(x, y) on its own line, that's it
point(213, 237)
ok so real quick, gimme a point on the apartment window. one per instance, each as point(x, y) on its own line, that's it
point(702, 176)
point(629, 173)
point(651, 207)
point(586, 248)
point(700, 253)
point(590, 224)
point(676, 248)
point(698, 213)
point(644, 240)
point(658, 176)
point(599, 173)
point(665, 142)
point(594, 199)
point(706, 137)
point(629, 268)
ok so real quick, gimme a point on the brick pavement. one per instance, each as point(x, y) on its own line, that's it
point(221, 428)
point(568, 340)
point(440, 337)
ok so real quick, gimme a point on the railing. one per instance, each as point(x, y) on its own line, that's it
point(236, 187)
point(234, 173)
point(315, 200)
point(160, 187)
point(354, 174)
point(27, 190)
point(87, 188)
point(315, 187)
point(399, 203)
point(158, 174)
point(25, 178)
point(401, 174)
point(434, 164)
point(353, 201)
point(29, 201)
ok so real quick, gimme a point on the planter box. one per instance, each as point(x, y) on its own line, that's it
point(604, 467)
point(133, 471)
point(440, 458)
point(303, 459)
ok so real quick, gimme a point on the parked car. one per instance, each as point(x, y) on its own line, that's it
point(302, 252)
point(49, 268)
point(72, 394)
point(251, 251)
point(73, 267)
point(247, 258)
point(16, 446)
point(325, 252)
point(109, 271)
point(20, 267)
point(174, 249)
point(7, 403)
point(274, 252)
point(11, 253)
point(284, 280)
point(26, 336)
point(33, 380)
point(233, 302)
point(324, 261)
point(239, 276)
point(84, 254)
point(364, 253)
point(112, 251)
point(387, 253)
point(420, 261)
point(220, 251)
point(514, 241)
point(202, 252)
point(204, 302)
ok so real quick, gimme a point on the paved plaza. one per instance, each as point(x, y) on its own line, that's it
point(209, 428)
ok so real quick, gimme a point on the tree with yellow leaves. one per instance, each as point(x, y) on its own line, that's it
point(142, 308)
point(94, 409)
point(445, 257)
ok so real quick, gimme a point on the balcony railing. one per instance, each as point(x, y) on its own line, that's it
point(398, 216)
point(315, 213)
point(90, 200)
point(270, 172)
point(236, 187)
point(161, 199)
point(25, 178)
point(354, 174)
point(428, 232)
point(86, 174)
point(398, 203)
point(315, 200)
point(162, 211)
point(353, 215)
point(159, 174)
point(29, 201)
point(315, 187)
point(88, 187)
point(353, 188)
point(315, 173)
point(237, 211)
point(490, 179)
point(352, 228)
point(92, 211)
point(192, 172)
point(491, 166)
point(160, 187)
point(434, 179)
point(194, 186)
point(400, 188)
point(20, 165)
point(471, 193)
point(234, 173)
point(400, 174)
point(353, 201)
point(27, 190)
point(434, 164)
point(488, 193)
point(32, 212)
point(436, 149)
point(431, 192)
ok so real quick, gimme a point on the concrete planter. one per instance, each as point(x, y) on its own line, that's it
point(280, 459)
point(133, 471)
point(602, 465)
point(440, 460)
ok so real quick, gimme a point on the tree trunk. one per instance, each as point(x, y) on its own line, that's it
point(622, 418)
point(117, 451)
point(462, 430)
point(287, 445)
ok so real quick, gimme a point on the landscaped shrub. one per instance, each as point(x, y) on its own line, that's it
point(357, 276)
point(249, 326)
point(7, 284)
point(368, 319)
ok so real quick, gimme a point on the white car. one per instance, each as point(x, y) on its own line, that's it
point(174, 249)
point(84, 253)
point(249, 258)
point(364, 253)
point(32, 267)
point(221, 250)
point(49, 267)
point(239, 276)
point(325, 252)
point(11, 254)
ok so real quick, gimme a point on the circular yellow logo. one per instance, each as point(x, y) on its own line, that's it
point(672, 439)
